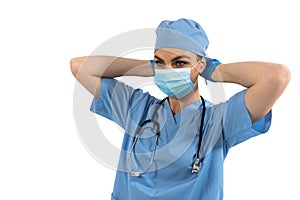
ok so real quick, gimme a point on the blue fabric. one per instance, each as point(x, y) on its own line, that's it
point(152, 66)
point(188, 35)
point(226, 125)
point(175, 83)
point(211, 65)
point(183, 34)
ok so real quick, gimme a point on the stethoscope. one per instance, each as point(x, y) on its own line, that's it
point(197, 164)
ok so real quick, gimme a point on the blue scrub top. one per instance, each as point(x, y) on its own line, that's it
point(170, 177)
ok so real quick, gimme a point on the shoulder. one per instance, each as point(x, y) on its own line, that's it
point(234, 106)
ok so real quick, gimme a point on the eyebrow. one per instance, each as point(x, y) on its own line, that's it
point(174, 59)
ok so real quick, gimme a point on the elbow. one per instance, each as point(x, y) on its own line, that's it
point(282, 76)
point(75, 64)
point(278, 78)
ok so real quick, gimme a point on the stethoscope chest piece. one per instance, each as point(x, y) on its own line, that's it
point(135, 174)
point(196, 166)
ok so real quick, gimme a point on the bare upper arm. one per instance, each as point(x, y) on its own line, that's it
point(265, 82)
point(90, 82)
point(261, 96)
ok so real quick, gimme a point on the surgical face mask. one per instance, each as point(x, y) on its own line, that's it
point(175, 83)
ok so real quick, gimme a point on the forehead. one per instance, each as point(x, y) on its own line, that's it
point(169, 53)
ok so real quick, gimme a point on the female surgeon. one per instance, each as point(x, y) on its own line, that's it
point(174, 148)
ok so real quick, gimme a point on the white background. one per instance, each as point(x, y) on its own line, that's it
point(41, 154)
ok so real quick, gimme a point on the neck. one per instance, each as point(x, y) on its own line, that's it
point(177, 105)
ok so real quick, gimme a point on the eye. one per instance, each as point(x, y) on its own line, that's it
point(180, 63)
point(159, 63)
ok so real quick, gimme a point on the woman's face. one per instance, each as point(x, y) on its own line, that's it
point(172, 58)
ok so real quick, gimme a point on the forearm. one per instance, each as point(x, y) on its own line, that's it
point(89, 70)
point(110, 66)
point(246, 73)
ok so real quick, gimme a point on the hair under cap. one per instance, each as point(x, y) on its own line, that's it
point(183, 34)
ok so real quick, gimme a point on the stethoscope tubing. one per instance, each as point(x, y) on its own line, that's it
point(197, 164)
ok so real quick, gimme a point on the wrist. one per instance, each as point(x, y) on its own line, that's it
point(152, 66)
point(211, 65)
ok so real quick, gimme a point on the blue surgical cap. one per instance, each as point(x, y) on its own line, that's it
point(183, 34)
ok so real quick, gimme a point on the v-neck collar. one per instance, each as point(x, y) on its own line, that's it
point(188, 111)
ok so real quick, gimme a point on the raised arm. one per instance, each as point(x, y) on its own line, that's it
point(90, 69)
point(265, 83)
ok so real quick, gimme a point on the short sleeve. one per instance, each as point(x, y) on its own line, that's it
point(116, 100)
point(237, 123)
